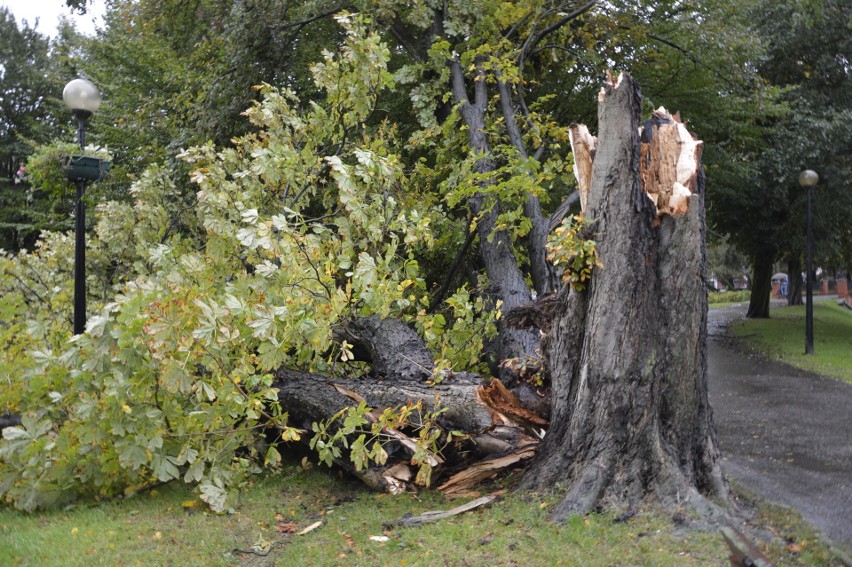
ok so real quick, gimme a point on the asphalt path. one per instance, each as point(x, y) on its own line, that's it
point(785, 434)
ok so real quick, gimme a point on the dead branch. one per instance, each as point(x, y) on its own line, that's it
point(428, 517)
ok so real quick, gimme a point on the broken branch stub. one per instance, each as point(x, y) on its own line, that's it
point(669, 164)
point(583, 146)
point(668, 168)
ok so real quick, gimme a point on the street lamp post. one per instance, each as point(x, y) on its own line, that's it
point(808, 180)
point(83, 98)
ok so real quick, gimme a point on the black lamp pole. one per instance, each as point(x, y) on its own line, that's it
point(80, 235)
point(83, 98)
point(808, 179)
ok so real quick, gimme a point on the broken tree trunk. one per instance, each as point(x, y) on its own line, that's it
point(630, 413)
point(498, 431)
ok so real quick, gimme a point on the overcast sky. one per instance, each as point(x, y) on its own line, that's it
point(48, 11)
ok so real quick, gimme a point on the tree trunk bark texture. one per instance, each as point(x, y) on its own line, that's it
point(627, 357)
point(794, 281)
point(761, 286)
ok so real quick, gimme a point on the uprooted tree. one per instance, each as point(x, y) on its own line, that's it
point(291, 308)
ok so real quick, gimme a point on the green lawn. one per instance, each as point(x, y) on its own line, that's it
point(169, 526)
point(726, 298)
point(783, 337)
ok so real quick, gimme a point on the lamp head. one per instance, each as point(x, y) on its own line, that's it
point(82, 97)
point(808, 178)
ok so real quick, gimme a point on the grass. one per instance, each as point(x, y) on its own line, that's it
point(169, 526)
point(725, 298)
point(782, 337)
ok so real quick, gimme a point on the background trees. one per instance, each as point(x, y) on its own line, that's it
point(806, 59)
point(26, 117)
point(25, 91)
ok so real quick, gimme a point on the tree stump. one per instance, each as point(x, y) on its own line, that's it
point(627, 357)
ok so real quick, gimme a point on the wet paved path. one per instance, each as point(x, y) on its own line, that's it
point(785, 434)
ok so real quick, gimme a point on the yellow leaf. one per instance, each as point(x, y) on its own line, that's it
point(291, 434)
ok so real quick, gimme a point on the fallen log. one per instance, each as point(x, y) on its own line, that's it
point(9, 420)
point(486, 421)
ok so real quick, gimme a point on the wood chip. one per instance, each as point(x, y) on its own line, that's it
point(311, 528)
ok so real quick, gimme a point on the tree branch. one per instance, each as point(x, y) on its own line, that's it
point(686, 52)
point(445, 287)
point(508, 111)
point(537, 239)
point(480, 89)
point(457, 78)
point(534, 39)
point(562, 210)
point(307, 21)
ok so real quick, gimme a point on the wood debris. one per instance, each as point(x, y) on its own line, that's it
point(743, 552)
point(311, 528)
point(461, 482)
point(428, 517)
point(505, 406)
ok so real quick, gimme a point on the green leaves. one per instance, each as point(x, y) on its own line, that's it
point(295, 226)
point(571, 249)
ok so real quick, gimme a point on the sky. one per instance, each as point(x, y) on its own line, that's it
point(48, 11)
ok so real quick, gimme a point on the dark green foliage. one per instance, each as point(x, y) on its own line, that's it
point(807, 57)
point(24, 91)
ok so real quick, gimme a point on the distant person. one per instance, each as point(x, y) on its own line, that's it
point(21, 175)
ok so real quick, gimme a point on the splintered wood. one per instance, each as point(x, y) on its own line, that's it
point(583, 147)
point(505, 407)
point(668, 166)
point(669, 161)
point(461, 483)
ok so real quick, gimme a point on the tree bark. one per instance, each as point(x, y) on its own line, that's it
point(794, 281)
point(498, 429)
point(761, 286)
point(494, 245)
point(627, 357)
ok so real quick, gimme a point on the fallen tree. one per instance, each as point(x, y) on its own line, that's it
point(492, 427)
point(278, 314)
point(624, 353)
